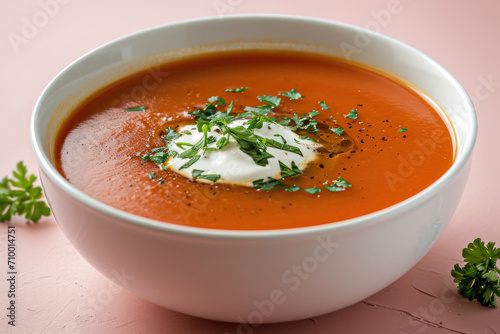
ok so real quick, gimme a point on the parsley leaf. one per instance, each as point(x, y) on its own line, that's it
point(190, 162)
point(293, 189)
point(306, 138)
point(223, 141)
point(171, 135)
point(403, 130)
point(271, 100)
point(136, 109)
point(271, 184)
point(18, 196)
point(261, 110)
point(217, 101)
point(293, 94)
point(338, 185)
point(480, 277)
point(313, 190)
point(353, 114)
point(304, 122)
point(287, 171)
point(285, 147)
point(250, 145)
point(198, 174)
point(338, 131)
point(236, 90)
point(323, 105)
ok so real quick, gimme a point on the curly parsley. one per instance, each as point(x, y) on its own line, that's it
point(18, 196)
point(479, 277)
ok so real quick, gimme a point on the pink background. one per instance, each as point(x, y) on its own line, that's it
point(58, 292)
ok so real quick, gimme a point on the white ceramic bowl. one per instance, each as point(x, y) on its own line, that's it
point(253, 276)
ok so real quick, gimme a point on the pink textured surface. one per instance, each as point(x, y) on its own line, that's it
point(58, 292)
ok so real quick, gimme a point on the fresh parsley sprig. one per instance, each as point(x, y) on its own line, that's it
point(19, 196)
point(479, 279)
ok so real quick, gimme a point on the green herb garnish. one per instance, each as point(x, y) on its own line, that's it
point(353, 114)
point(293, 189)
point(304, 122)
point(338, 185)
point(285, 147)
point(306, 138)
point(287, 171)
point(479, 279)
point(198, 174)
point(250, 144)
point(323, 105)
point(18, 196)
point(158, 157)
point(217, 101)
point(338, 131)
point(152, 176)
point(293, 94)
point(236, 90)
point(282, 138)
point(313, 190)
point(190, 162)
point(271, 100)
point(271, 184)
point(403, 130)
point(171, 135)
point(261, 110)
point(136, 109)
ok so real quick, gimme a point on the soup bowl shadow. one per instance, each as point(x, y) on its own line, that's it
point(253, 276)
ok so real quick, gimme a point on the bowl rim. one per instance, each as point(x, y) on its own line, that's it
point(461, 160)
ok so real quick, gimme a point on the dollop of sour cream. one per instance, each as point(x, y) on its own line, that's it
point(232, 164)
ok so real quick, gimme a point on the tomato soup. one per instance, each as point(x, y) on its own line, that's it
point(383, 139)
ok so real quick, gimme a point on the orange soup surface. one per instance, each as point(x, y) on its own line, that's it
point(393, 143)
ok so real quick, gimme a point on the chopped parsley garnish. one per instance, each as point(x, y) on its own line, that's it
point(306, 138)
point(158, 157)
point(236, 90)
point(271, 184)
point(152, 176)
point(198, 174)
point(285, 147)
point(338, 131)
point(313, 190)
point(338, 185)
point(403, 130)
point(261, 110)
point(250, 144)
point(271, 100)
point(217, 101)
point(480, 277)
point(293, 189)
point(223, 141)
point(323, 105)
point(293, 94)
point(353, 114)
point(136, 109)
point(282, 138)
point(304, 122)
point(217, 113)
point(289, 171)
point(171, 135)
point(190, 162)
